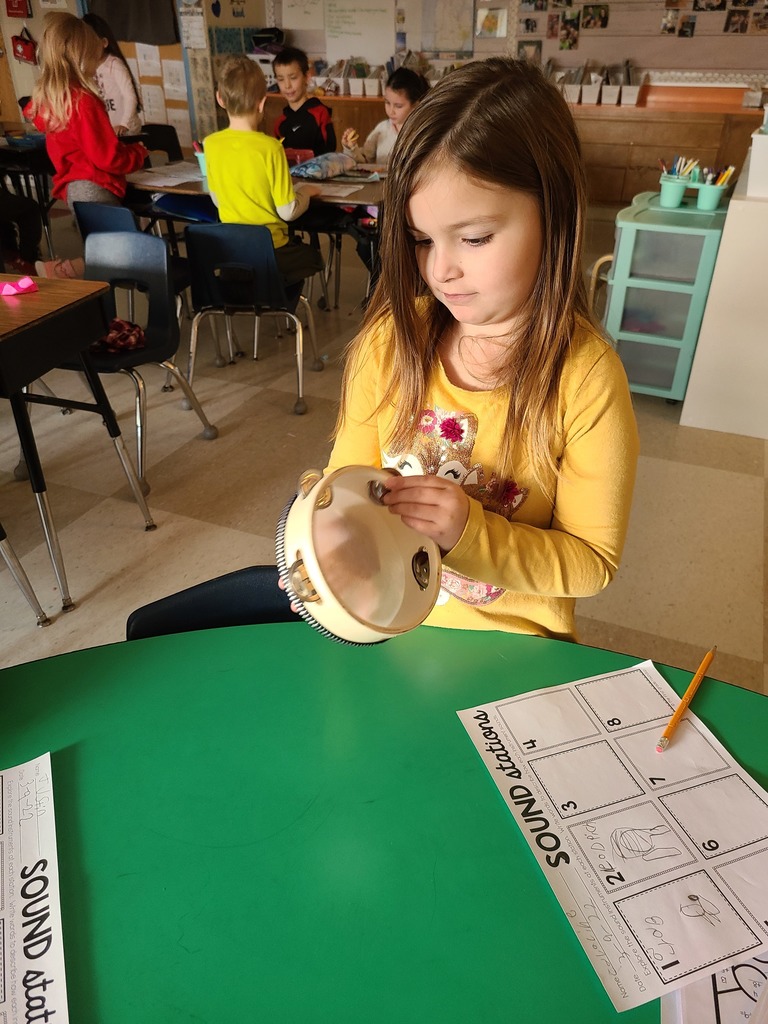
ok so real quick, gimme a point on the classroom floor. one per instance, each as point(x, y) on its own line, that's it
point(694, 568)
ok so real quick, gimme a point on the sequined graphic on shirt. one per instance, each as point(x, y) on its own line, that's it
point(443, 447)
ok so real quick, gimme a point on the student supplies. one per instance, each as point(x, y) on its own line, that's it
point(674, 721)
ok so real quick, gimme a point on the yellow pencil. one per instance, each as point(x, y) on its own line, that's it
point(682, 707)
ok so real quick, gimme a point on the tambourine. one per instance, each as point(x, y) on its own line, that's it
point(358, 574)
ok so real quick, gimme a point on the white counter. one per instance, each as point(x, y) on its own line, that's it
point(728, 386)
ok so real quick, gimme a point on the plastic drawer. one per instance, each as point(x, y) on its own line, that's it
point(662, 256)
point(648, 311)
point(648, 365)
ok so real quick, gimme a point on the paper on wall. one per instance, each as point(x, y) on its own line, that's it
point(148, 58)
point(154, 103)
point(174, 80)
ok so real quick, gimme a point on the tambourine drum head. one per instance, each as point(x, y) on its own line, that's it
point(365, 575)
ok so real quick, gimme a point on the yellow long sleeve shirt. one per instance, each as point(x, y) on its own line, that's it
point(523, 558)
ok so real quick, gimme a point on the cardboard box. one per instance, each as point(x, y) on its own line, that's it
point(371, 86)
point(757, 176)
point(590, 93)
point(571, 92)
point(630, 95)
point(356, 87)
point(610, 95)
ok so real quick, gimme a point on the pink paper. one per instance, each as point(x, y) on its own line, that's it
point(20, 287)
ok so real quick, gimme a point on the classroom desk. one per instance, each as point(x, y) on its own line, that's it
point(369, 195)
point(38, 332)
point(257, 824)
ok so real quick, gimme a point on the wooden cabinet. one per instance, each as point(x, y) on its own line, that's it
point(621, 145)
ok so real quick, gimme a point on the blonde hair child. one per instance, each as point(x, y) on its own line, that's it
point(90, 163)
point(480, 372)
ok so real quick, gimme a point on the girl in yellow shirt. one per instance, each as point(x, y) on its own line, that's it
point(480, 372)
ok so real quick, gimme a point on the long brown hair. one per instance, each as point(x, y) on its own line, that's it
point(70, 52)
point(498, 121)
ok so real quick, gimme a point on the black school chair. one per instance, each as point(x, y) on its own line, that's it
point(234, 272)
point(93, 217)
point(246, 597)
point(144, 261)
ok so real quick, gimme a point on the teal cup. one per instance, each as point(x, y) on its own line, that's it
point(201, 161)
point(672, 190)
point(709, 196)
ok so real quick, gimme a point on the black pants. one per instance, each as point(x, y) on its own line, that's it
point(21, 226)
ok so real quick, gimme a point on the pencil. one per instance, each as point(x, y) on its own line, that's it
point(682, 707)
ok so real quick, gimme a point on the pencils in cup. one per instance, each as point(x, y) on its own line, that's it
point(682, 707)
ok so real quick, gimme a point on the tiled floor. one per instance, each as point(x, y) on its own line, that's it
point(694, 567)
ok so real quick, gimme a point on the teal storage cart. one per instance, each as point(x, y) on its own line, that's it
point(657, 289)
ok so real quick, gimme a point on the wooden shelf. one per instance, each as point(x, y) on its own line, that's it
point(621, 145)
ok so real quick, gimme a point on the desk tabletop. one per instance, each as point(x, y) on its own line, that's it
point(369, 194)
point(257, 824)
point(18, 312)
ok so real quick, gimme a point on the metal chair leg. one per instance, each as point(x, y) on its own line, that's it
point(256, 325)
point(209, 431)
point(318, 363)
point(141, 419)
point(16, 570)
point(300, 406)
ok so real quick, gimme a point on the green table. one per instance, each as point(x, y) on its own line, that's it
point(259, 825)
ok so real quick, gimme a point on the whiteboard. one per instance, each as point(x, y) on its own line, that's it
point(303, 14)
point(360, 28)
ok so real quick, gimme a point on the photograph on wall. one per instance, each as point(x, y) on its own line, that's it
point(748, 3)
point(686, 27)
point(553, 26)
point(528, 27)
point(569, 29)
point(669, 23)
point(736, 22)
point(759, 24)
point(530, 50)
point(533, 5)
point(709, 5)
point(594, 16)
point(491, 23)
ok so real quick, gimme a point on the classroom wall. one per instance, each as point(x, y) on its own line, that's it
point(24, 76)
point(633, 31)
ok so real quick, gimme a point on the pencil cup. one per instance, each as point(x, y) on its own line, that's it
point(201, 161)
point(709, 196)
point(672, 190)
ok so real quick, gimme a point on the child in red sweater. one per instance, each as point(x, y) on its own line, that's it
point(90, 162)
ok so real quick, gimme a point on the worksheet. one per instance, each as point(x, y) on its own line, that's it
point(659, 861)
point(32, 982)
point(730, 996)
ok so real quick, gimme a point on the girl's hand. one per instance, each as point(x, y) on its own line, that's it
point(349, 138)
point(120, 129)
point(434, 506)
point(281, 585)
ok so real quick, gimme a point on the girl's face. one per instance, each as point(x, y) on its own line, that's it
point(397, 107)
point(478, 247)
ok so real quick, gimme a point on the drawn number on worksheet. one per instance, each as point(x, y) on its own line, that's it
point(570, 806)
point(613, 879)
point(710, 845)
point(613, 721)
